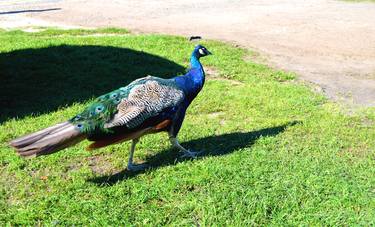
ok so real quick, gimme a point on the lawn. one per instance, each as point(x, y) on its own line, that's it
point(275, 152)
point(360, 0)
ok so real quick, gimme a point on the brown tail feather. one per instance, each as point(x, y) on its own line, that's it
point(33, 137)
point(48, 140)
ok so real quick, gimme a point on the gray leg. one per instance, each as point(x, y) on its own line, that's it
point(131, 165)
point(186, 153)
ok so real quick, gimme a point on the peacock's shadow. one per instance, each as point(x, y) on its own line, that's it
point(38, 81)
point(211, 145)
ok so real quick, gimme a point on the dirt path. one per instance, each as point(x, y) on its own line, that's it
point(329, 43)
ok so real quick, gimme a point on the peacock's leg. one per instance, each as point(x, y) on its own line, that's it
point(186, 153)
point(131, 165)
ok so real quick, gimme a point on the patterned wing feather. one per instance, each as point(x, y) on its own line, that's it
point(145, 100)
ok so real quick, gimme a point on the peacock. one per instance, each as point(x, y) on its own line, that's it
point(146, 105)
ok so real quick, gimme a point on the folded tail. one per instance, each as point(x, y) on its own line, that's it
point(49, 140)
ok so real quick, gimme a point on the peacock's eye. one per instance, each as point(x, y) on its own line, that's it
point(99, 109)
point(117, 100)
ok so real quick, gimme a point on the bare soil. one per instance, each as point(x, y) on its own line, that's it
point(328, 43)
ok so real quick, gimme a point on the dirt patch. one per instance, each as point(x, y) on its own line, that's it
point(213, 74)
point(215, 114)
point(100, 165)
point(329, 43)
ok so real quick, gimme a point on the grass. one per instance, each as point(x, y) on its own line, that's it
point(275, 152)
point(359, 0)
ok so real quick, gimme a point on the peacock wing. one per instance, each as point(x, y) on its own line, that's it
point(145, 100)
point(92, 119)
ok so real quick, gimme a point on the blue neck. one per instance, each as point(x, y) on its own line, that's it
point(194, 61)
point(197, 72)
point(192, 82)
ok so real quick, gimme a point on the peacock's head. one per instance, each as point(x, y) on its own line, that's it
point(201, 51)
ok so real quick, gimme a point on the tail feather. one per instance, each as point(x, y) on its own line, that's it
point(48, 140)
point(33, 137)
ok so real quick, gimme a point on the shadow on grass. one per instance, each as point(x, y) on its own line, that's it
point(38, 81)
point(212, 146)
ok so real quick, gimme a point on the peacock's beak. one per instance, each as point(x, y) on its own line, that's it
point(208, 52)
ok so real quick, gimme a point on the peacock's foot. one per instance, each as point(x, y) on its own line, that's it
point(137, 167)
point(190, 154)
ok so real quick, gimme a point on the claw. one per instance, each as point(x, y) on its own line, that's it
point(190, 154)
point(137, 167)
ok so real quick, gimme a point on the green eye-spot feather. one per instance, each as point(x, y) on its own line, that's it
point(95, 115)
point(113, 95)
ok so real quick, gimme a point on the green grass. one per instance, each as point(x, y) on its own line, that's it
point(359, 0)
point(275, 152)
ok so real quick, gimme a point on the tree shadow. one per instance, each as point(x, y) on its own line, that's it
point(38, 81)
point(29, 11)
point(211, 145)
